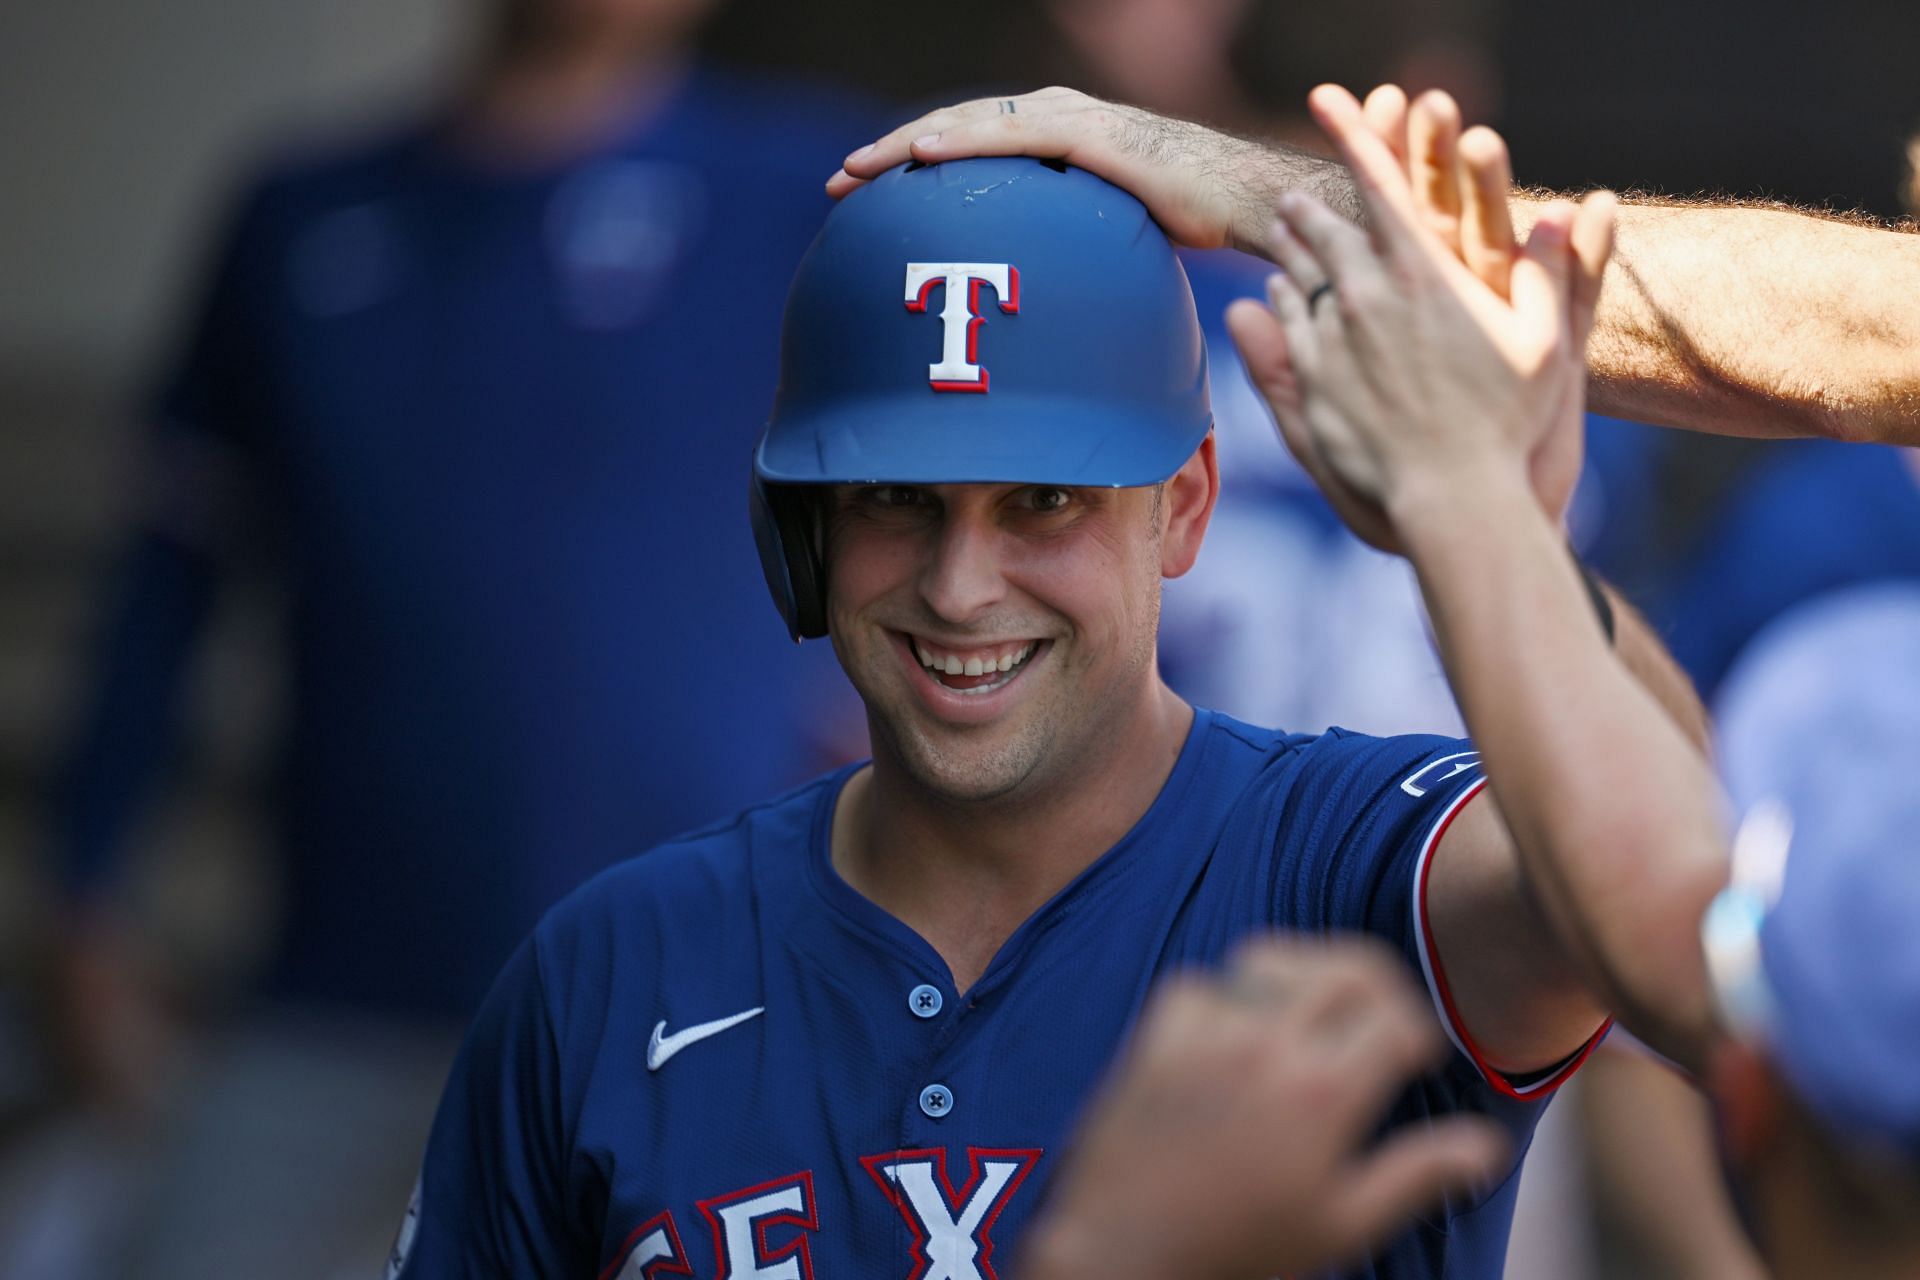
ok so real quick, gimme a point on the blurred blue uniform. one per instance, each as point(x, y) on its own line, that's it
point(719, 1059)
point(1288, 618)
point(493, 426)
point(1789, 520)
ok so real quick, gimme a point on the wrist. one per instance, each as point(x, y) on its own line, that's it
point(1438, 501)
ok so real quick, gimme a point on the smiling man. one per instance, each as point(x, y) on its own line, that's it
point(848, 1032)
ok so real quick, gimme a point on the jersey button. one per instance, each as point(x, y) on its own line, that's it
point(925, 1001)
point(936, 1100)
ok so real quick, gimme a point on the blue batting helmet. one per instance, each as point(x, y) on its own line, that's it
point(987, 320)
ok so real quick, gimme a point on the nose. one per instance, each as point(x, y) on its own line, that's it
point(963, 576)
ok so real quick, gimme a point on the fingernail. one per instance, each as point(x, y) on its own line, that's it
point(862, 151)
point(926, 140)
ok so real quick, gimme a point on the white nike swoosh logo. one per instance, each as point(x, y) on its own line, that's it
point(664, 1046)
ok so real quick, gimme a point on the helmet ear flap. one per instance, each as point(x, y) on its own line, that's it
point(786, 531)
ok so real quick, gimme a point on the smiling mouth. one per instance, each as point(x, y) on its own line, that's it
point(977, 670)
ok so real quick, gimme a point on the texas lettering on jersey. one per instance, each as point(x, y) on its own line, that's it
point(764, 1232)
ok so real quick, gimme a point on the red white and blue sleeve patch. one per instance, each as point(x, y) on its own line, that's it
point(1533, 1087)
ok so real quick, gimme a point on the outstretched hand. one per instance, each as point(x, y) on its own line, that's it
point(1442, 345)
point(1237, 1136)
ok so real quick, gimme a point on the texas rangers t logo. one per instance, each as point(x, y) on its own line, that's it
point(959, 368)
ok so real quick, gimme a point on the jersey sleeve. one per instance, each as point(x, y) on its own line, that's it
point(191, 480)
point(1364, 818)
point(493, 1198)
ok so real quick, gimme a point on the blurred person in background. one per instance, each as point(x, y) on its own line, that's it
point(1721, 537)
point(476, 393)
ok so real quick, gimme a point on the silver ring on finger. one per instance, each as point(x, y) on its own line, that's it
point(1007, 107)
point(1320, 291)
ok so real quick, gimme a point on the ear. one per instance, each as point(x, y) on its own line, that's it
point(1186, 507)
point(1746, 1101)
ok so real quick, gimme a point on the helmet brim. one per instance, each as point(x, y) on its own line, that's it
point(1028, 440)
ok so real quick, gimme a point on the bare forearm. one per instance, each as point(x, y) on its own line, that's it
point(1757, 321)
point(1648, 661)
point(1263, 172)
point(1613, 810)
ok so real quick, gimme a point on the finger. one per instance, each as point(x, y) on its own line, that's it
point(1294, 258)
point(1275, 968)
point(1433, 139)
point(1270, 343)
point(1262, 342)
point(1384, 1032)
point(1260, 335)
point(1486, 223)
point(891, 147)
point(1343, 252)
point(1592, 239)
point(1385, 112)
point(1553, 468)
point(1378, 174)
point(1280, 388)
point(1293, 308)
point(1542, 276)
point(1055, 135)
point(1178, 1009)
point(896, 145)
point(1346, 992)
point(1412, 1171)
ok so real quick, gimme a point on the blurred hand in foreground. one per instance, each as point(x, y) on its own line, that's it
point(1233, 1138)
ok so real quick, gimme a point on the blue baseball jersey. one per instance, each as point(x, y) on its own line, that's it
point(718, 1059)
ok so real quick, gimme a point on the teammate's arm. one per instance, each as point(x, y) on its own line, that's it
point(1736, 319)
point(192, 512)
point(1757, 320)
point(1425, 390)
point(1522, 994)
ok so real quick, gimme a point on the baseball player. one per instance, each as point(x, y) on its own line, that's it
point(1784, 977)
point(848, 1031)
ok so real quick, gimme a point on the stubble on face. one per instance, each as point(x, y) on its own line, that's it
point(1059, 735)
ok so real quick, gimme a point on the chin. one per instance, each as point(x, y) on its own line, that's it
point(967, 767)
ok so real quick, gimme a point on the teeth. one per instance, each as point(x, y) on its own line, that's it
point(954, 665)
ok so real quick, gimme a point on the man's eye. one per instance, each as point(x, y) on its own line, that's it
point(1048, 499)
